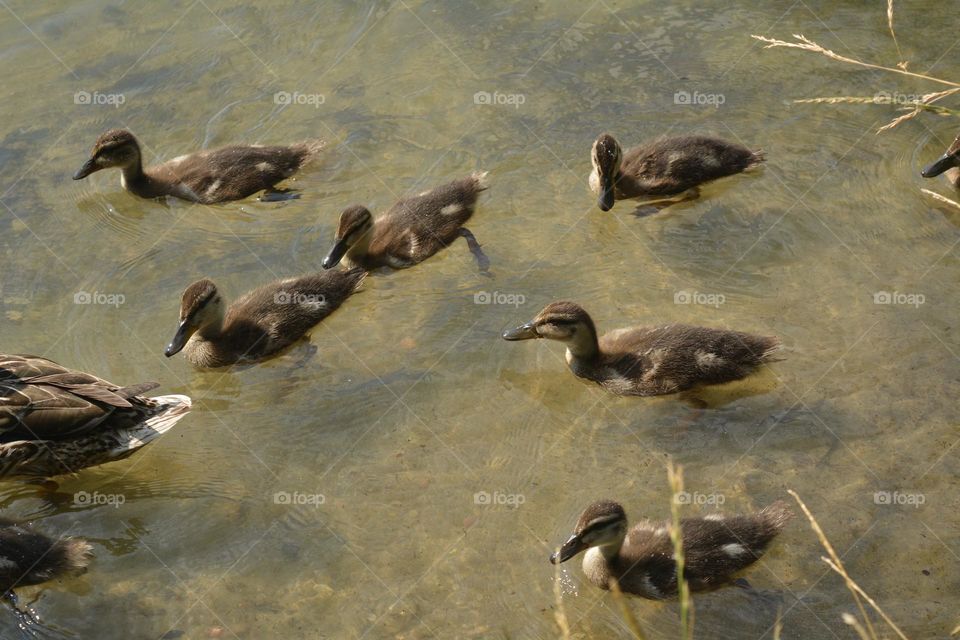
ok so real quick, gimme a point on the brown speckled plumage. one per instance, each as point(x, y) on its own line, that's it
point(262, 322)
point(217, 175)
point(412, 230)
point(54, 420)
point(666, 167)
point(715, 547)
point(29, 557)
point(648, 361)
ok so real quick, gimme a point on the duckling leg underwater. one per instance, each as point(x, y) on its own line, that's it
point(690, 194)
point(279, 195)
point(483, 262)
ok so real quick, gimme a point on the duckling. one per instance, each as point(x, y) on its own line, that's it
point(412, 230)
point(261, 322)
point(648, 361)
point(28, 557)
point(948, 163)
point(664, 170)
point(641, 560)
point(208, 177)
point(55, 420)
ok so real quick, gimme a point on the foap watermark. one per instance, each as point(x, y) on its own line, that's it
point(698, 297)
point(699, 99)
point(496, 98)
point(499, 297)
point(87, 499)
point(286, 98)
point(895, 97)
point(295, 297)
point(699, 499)
point(299, 498)
point(900, 498)
point(97, 297)
point(99, 99)
point(899, 298)
point(498, 498)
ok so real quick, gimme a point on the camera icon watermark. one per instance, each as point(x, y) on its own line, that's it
point(499, 297)
point(699, 99)
point(496, 98)
point(899, 498)
point(699, 499)
point(87, 499)
point(298, 498)
point(696, 297)
point(313, 300)
point(99, 99)
point(897, 298)
point(895, 97)
point(287, 98)
point(498, 498)
point(108, 299)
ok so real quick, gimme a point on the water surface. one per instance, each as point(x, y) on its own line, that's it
point(412, 409)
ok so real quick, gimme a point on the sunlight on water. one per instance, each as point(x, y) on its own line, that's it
point(406, 479)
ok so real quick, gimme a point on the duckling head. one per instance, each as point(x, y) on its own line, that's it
point(353, 230)
point(200, 307)
point(115, 148)
point(606, 156)
point(947, 161)
point(602, 524)
point(563, 321)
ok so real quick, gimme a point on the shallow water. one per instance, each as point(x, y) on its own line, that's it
point(412, 410)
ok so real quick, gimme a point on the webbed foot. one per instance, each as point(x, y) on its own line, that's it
point(483, 262)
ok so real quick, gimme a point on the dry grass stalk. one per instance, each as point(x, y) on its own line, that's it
point(954, 203)
point(903, 63)
point(560, 615)
point(852, 621)
point(675, 477)
point(836, 564)
point(625, 611)
point(809, 45)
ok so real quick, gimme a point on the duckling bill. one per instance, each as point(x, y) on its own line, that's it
point(412, 230)
point(648, 361)
point(948, 163)
point(259, 324)
point(218, 175)
point(28, 557)
point(715, 548)
point(55, 420)
point(664, 170)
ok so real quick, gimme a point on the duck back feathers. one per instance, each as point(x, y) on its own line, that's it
point(417, 227)
point(28, 557)
point(233, 172)
point(273, 316)
point(672, 358)
point(55, 420)
point(715, 547)
point(668, 166)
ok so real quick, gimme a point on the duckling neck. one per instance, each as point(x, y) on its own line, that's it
point(132, 177)
point(598, 563)
point(358, 251)
point(584, 345)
